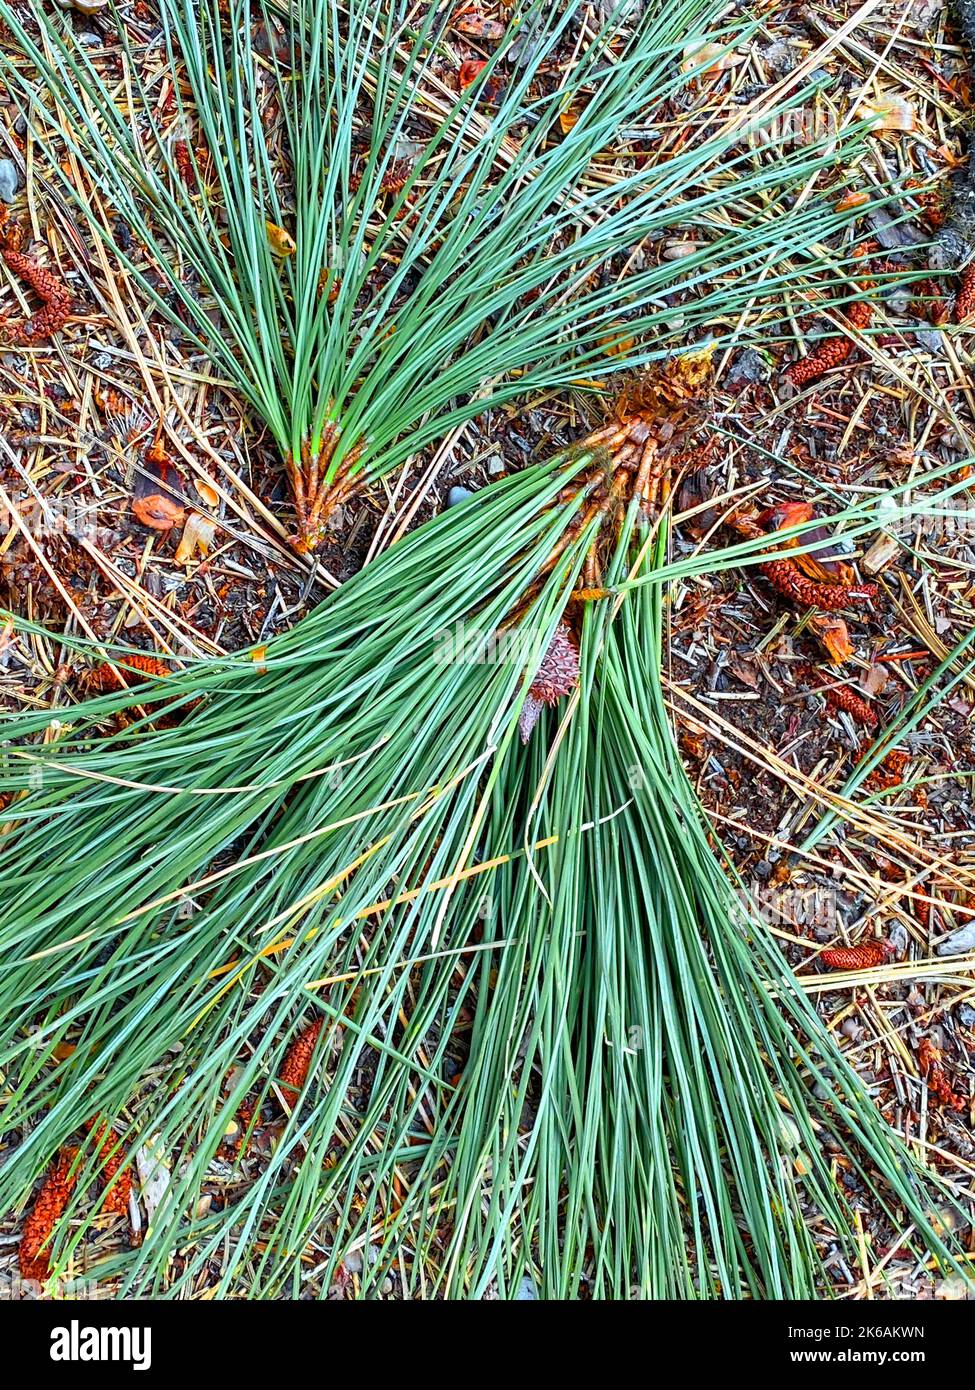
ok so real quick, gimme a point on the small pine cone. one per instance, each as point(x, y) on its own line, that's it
point(183, 160)
point(395, 176)
point(45, 282)
point(828, 355)
point(842, 697)
point(965, 303)
point(929, 1060)
point(557, 675)
point(44, 325)
point(831, 353)
point(51, 289)
point(392, 180)
point(105, 678)
point(860, 314)
point(294, 1069)
point(115, 1173)
point(787, 579)
point(49, 1206)
point(861, 957)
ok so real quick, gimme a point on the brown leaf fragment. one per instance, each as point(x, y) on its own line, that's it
point(834, 634)
point(158, 512)
point(475, 26)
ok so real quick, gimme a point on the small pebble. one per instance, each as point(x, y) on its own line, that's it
point(779, 56)
point(898, 301)
point(9, 180)
point(958, 942)
point(749, 365)
point(527, 1293)
point(897, 936)
point(456, 495)
point(930, 338)
point(965, 1015)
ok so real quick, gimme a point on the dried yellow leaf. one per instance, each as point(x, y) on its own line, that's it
point(282, 243)
point(197, 535)
point(888, 112)
point(209, 494)
point(713, 57)
point(569, 114)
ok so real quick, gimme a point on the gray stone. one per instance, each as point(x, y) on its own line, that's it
point(899, 301)
point(929, 338)
point(749, 365)
point(9, 180)
point(456, 495)
point(779, 56)
point(898, 938)
point(958, 942)
point(892, 234)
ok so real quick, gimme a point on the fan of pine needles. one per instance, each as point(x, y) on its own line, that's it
point(656, 1109)
point(370, 256)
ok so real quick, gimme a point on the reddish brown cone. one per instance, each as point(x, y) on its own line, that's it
point(557, 675)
